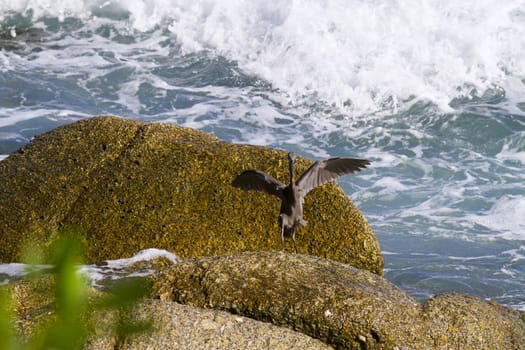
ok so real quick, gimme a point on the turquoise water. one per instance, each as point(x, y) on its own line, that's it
point(433, 93)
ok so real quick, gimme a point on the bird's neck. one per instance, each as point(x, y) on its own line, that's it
point(292, 181)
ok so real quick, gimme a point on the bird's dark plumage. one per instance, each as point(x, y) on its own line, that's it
point(292, 195)
point(326, 170)
point(259, 181)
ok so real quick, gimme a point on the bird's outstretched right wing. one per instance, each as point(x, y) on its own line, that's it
point(259, 181)
point(326, 170)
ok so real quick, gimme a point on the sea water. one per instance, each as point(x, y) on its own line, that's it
point(432, 92)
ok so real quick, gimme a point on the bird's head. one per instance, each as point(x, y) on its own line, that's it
point(291, 156)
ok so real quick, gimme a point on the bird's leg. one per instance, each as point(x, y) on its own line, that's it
point(282, 236)
point(295, 243)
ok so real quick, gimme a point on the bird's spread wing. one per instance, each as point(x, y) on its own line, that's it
point(326, 170)
point(259, 181)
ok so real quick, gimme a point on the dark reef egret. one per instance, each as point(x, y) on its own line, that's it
point(292, 196)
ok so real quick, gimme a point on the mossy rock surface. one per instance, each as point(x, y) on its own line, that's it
point(338, 304)
point(180, 327)
point(129, 185)
point(174, 326)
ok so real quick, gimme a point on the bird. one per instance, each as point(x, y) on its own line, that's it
point(292, 196)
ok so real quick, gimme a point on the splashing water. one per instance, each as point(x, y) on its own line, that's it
point(430, 91)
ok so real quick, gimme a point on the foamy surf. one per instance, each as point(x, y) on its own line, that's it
point(505, 217)
point(139, 265)
point(101, 274)
point(431, 92)
point(358, 56)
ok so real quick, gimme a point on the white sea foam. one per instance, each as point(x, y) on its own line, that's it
point(328, 71)
point(517, 254)
point(504, 220)
point(22, 114)
point(361, 56)
point(514, 152)
point(143, 255)
point(115, 269)
point(389, 185)
point(14, 270)
point(110, 270)
point(365, 52)
point(505, 217)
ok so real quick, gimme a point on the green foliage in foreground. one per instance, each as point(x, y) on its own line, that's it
point(74, 313)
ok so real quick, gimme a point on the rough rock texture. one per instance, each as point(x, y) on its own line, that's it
point(175, 326)
point(130, 185)
point(183, 327)
point(338, 304)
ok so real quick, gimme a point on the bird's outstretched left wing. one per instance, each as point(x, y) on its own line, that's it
point(326, 170)
point(259, 181)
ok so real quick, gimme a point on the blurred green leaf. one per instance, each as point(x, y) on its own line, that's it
point(126, 292)
point(69, 327)
point(8, 340)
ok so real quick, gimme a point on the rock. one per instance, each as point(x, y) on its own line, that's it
point(179, 326)
point(338, 304)
point(472, 323)
point(127, 186)
point(175, 326)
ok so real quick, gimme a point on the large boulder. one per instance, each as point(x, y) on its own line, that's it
point(262, 300)
point(127, 185)
point(174, 326)
point(338, 304)
point(178, 327)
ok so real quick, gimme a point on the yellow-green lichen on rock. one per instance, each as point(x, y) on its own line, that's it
point(129, 185)
point(174, 326)
point(345, 307)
